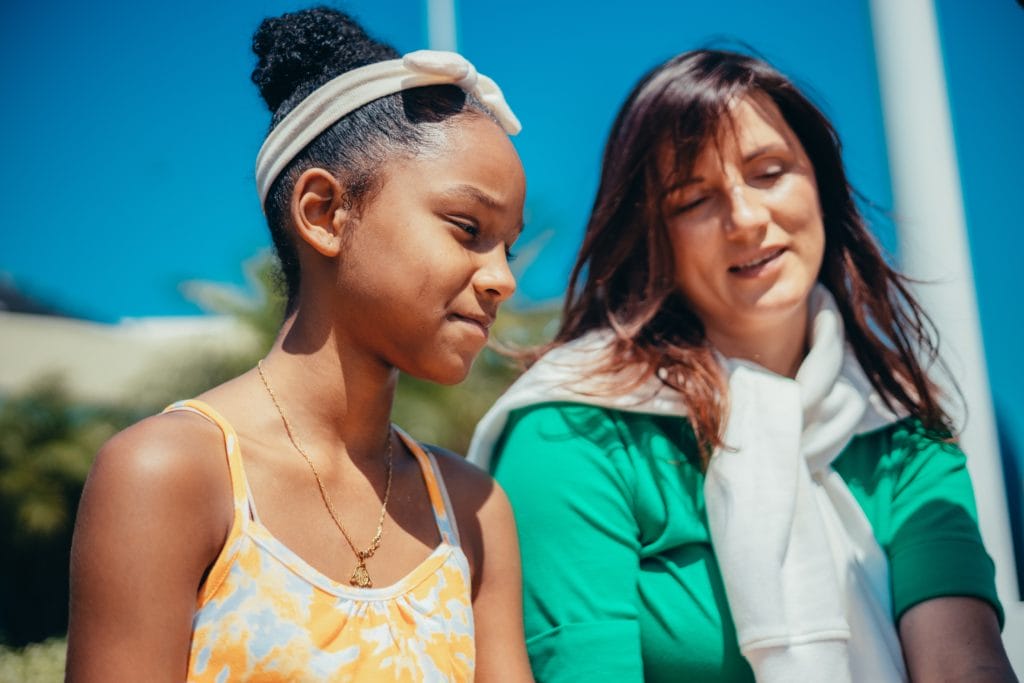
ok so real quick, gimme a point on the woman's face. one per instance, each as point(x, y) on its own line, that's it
point(746, 226)
point(425, 265)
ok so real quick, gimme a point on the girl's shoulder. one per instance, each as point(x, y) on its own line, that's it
point(469, 487)
point(170, 467)
point(176, 446)
point(458, 472)
point(481, 508)
point(155, 512)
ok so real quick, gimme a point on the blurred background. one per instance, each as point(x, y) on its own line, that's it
point(133, 256)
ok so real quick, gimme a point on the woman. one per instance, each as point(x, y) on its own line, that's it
point(393, 196)
point(731, 414)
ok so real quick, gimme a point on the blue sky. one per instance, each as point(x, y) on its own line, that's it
point(130, 129)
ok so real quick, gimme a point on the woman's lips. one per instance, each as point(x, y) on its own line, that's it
point(757, 265)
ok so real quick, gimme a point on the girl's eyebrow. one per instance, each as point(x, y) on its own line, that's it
point(473, 194)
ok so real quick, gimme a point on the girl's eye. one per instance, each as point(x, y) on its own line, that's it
point(509, 255)
point(467, 228)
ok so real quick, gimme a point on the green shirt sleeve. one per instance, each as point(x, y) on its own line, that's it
point(915, 490)
point(936, 548)
point(571, 487)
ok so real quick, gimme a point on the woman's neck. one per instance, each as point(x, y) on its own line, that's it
point(779, 347)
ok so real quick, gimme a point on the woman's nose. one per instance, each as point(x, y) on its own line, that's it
point(747, 209)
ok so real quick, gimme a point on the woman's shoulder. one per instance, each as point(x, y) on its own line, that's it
point(594, 446)
point(604, 428)
point(899, 469)
point(586, 419)
point(904, 443)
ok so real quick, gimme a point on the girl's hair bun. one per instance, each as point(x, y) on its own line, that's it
point(300, 51)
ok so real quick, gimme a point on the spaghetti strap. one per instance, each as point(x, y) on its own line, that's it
point(444, 514)
point(241, 493)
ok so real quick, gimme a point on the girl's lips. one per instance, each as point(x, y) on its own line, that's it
point(483, 325)
point(756, 266)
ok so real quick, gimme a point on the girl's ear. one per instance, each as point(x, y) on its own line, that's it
point(320, 209)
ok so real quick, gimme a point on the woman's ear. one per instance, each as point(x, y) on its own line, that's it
point(319, 209)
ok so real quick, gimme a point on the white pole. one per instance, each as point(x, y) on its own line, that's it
point(441, 33)
point(934, 248)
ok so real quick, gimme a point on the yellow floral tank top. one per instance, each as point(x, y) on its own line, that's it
point(264, 614)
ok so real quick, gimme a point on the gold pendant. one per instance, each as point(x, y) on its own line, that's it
point(360, 577)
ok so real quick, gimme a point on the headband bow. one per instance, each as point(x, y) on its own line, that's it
point(358, 87)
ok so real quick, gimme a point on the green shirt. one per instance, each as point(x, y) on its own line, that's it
point(620, 579)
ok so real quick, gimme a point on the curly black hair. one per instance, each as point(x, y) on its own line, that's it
point(300, 51)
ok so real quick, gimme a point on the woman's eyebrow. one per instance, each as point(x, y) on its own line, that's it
point(675, 187)
point(770, 147)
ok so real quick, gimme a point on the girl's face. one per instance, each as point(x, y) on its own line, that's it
point(746, 226)
point(425, 264)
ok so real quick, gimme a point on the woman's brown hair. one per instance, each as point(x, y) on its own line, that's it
point(624, 281)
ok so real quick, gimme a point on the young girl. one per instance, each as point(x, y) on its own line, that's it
point(731, 465)
point(279, 527)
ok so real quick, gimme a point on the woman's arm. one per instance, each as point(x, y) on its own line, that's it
point(154, 515)
point(954, 640)
point(943, 580)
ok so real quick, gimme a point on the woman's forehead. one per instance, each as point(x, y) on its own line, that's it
point(750, 123)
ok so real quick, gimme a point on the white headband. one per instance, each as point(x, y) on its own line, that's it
point(353, 89)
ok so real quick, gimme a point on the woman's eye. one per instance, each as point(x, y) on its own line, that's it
point(510, 256)
point(688, 205)
point(769, 172)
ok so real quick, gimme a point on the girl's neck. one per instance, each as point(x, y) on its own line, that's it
point(339, 398)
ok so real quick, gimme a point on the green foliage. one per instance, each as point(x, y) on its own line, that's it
point(47, 444)
point(46, 447)
point(36, 663)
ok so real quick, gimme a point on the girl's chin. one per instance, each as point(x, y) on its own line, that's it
point(447, 374)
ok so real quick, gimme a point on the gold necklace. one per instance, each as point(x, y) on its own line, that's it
point(360, 576)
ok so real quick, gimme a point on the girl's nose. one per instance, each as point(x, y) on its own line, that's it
point(494, 278)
